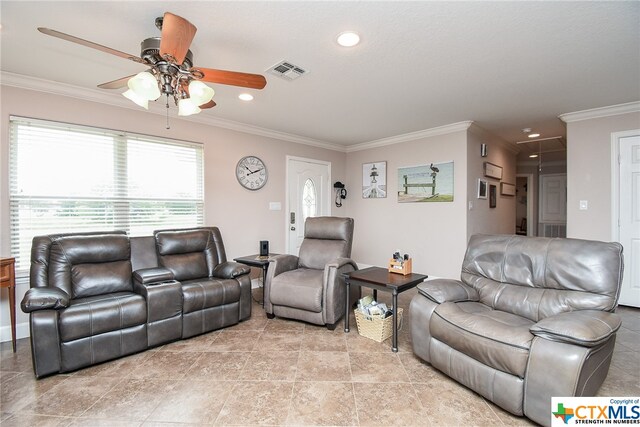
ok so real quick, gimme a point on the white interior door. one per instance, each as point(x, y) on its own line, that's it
point(553, 205)
point(308, 196)
point(629, 218)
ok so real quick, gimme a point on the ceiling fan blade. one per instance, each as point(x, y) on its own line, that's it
point(177, 34)
point(209, 104)
point(87, 43)
point(233, 78)
point(115, 84)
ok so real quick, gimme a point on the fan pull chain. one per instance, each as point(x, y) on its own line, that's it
point(168, 127)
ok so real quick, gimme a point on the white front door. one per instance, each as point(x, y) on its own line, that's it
point(309, 191)
point(629, 218)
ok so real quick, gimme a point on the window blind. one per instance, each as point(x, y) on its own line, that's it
point(67, 178)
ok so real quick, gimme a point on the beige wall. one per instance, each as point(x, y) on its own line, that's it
point(243, 216)
point(434, 234)
point(589, 173)
point(481, 218)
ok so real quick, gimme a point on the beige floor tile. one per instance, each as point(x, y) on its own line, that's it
point(71, 397)
point(356, 343)
point(388, 404)
point(323, 366)
point(620, 382)
point(32, 420)
point(20, 361)
point(280, 324)
point(217, 366)
point(323, 340)
point(121, 368)
point(279, 341)
point(418, 370)
point(235, 340)
point(323, 403)
point(629, 339)
point(256, 322)
point(133, 399)
point(271, 366)
point(508, 418)
point(94, 422)
point(196, 402)
point(166, 365)
point(377, 367)
point(448, 403)
point(196, 344)
point(21, 390)
point(257, 403)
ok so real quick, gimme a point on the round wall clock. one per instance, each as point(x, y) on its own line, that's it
point(251, 173)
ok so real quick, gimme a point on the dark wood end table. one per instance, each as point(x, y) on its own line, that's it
point(379, 279)
point(257, 261)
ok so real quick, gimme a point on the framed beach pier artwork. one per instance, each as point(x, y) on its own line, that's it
point(426, 183)
point(374, 180)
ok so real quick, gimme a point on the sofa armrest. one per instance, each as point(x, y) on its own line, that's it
point(447, 290)
point(587, 328)
point(230, 270)
point(146, 276)
point(338, 263)
point(281, 263)
point(44, 299)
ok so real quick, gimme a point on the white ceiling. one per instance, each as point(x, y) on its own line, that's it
point(420, 65)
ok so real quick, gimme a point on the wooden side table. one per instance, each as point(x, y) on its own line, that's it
point(8, 280)
point(257, 261)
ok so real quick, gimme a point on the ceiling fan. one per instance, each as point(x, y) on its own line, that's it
point(171, 71)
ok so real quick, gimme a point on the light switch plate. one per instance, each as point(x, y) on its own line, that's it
point(275, 206)
point(584, 205)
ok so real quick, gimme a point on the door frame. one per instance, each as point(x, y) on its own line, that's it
point(615, 180)
point(286, 191)
point(531, 221)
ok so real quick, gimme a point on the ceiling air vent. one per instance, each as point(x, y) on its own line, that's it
point(287, 70)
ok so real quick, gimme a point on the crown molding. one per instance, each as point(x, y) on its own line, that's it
point(595, 113)
point(411, 136)
point(485, 134)
point(115, 99)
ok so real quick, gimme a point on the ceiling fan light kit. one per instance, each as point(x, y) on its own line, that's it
point(171, 71)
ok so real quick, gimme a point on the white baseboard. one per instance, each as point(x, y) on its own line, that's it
point(22, 331)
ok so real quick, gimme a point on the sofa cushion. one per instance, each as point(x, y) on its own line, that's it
point(189, 254)
point(205, 293)
point(301, 288)
point(86, 317)
point(90, 265)
point(496, 338)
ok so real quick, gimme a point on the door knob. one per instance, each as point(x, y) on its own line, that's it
point(293, 228)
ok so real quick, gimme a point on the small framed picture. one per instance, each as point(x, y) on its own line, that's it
point(374, 180)
point(492, 171)
point(493, 196)
point(482, 188)
point(507, 189)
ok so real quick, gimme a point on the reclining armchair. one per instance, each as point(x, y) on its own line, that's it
point(310, 286)
point(531, 318)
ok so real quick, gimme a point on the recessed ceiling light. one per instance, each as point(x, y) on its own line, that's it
point(534, 135)
point(348, 39)
point(533, 156)
point(246, 97)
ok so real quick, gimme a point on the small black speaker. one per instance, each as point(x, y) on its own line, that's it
point(264, 248)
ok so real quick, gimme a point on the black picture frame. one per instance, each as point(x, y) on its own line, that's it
point(493, 196)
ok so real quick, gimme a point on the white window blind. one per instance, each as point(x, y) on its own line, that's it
point(67, 178)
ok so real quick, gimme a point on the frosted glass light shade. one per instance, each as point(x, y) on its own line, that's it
point(200, 93)
point(144, 103)
point(145, 85)
point(187, 107)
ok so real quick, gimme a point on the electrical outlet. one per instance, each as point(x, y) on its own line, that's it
point(584, 205)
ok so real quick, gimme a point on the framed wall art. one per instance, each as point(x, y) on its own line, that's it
point(482, 188)
point(493, 197)
point(507, 189)
point(426, 183)
point(492, 171)
point(374, 180)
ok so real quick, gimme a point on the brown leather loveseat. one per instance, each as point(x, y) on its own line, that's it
point(530, 319)
point(98, 296)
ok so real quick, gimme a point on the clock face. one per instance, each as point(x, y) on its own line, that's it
point(251, 173)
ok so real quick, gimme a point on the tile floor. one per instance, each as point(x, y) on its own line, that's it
point(270, 372)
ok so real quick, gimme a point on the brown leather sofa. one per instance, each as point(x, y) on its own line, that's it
point(310, 286)
point(99, 296)
point(531, 318)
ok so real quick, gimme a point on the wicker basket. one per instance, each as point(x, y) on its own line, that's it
point(376, 328)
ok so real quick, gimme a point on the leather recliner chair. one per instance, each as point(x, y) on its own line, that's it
point(310, 287)
point(530, 319)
